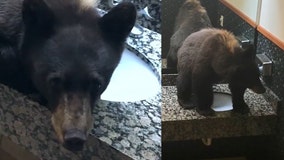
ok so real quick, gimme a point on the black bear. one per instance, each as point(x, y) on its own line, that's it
point(191, 18)
point(67, 52)
point(211, 56)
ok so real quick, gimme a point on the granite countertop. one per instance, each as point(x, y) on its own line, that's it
point(122, 130)
point(183, 124)
point(134, 127)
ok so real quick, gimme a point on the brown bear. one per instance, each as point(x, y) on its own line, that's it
point(191, 18)
point(211, 56)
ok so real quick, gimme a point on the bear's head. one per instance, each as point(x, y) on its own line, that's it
point(70, 53)
point(245, 72)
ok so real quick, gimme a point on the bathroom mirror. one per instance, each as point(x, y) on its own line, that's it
point(237, 16)
point(169, 12)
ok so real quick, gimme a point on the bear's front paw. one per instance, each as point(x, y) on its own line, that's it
point(206, 112)
point(187, 104)
point(241, 108)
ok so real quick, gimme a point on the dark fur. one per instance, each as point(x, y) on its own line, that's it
point(65, 52)
point(11, 30)
point(211, 56)
point(191, 18)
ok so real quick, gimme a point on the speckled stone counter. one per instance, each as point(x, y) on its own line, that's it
point(134, 128)
point(153, 7)
point(122, 130)
point(26, 126)
point(181, 124)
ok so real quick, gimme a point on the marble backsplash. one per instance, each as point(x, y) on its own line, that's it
point(154, 10)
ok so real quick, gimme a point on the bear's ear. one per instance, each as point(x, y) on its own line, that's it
point(249, 52)
point(119, 21)
point(189, 5)
point(37, 17)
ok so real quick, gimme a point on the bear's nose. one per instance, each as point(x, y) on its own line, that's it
point(258, 89)
point(74, 139)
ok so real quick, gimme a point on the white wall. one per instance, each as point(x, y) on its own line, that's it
point(272, 17)
point(248, 7)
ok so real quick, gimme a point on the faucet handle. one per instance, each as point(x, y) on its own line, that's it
point(145, 12)
point(265, 64)
point(113, 3)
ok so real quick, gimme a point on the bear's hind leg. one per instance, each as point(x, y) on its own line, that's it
point(239, 104)
point(202, 87)
point(184, 91)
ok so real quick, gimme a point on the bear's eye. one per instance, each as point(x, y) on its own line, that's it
point(54, 81)
point(95, 87)
point(95, 84)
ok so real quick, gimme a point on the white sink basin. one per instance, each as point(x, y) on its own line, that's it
point(222, 102)
point(132, 80)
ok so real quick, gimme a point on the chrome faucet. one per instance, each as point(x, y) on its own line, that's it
point(264, 64)
point(112, 3)
point(144, 11)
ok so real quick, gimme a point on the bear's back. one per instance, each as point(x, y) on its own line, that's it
point(213, 39)
point(207, 46)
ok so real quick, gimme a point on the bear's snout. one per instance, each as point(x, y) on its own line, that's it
point(259, 89)
point(74, 139)
point(257, 86)
point(72, 120)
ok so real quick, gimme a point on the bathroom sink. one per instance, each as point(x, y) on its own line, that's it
point(132, 80)
point(222, 102)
